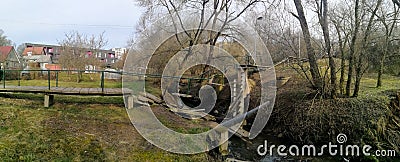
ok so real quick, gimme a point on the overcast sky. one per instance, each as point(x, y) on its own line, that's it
point(46, 21)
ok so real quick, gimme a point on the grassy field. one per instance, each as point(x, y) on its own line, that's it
point(368, 84)
point(74, 129)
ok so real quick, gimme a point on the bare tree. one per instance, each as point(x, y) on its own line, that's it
point(322, 12)
point(388, 21)
point(341, 20)
point(359, 65)
point(317, 81)
point(4, 41)
point(353, 42)
point(75, 48)
point(217, 14)
point(396, 2)
point(283, 39)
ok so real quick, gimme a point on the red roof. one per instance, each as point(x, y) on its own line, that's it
point(34, 50)
point(4, 51)
point(53, 67)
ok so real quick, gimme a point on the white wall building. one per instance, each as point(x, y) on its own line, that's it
point(119, 52)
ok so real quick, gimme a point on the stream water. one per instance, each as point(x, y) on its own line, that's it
point(246, 150)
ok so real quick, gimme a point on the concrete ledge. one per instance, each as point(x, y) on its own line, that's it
point(48, 100)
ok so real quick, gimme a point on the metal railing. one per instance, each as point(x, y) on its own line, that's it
point(20, 73)
point(79, 72)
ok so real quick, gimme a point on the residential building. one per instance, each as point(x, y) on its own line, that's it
point(42, 56)
point(35, 57)
point(9, 58)
point(42, 49)
point(106, 57)
point(47, 56)
point(119, 52)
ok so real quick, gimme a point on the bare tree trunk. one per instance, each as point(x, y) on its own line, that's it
point(317, 81)
point(339, 25)
point(380, 71)
point(382, 61)
point(79, 77)
point(396, 2)
point(359, 69)
point(388, 33)
point(323, 20)
point(342, 58)
point(352, 47)
point(342, 70)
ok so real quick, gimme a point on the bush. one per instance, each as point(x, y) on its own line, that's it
point(10, 75)
point(363, 120)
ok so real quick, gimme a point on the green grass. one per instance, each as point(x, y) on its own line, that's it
point(24, 136)
point(65, 80)
point(74, 129)
point(368, 84)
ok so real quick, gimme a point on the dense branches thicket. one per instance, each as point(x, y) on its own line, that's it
point(75, 47)
point(355, 36)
